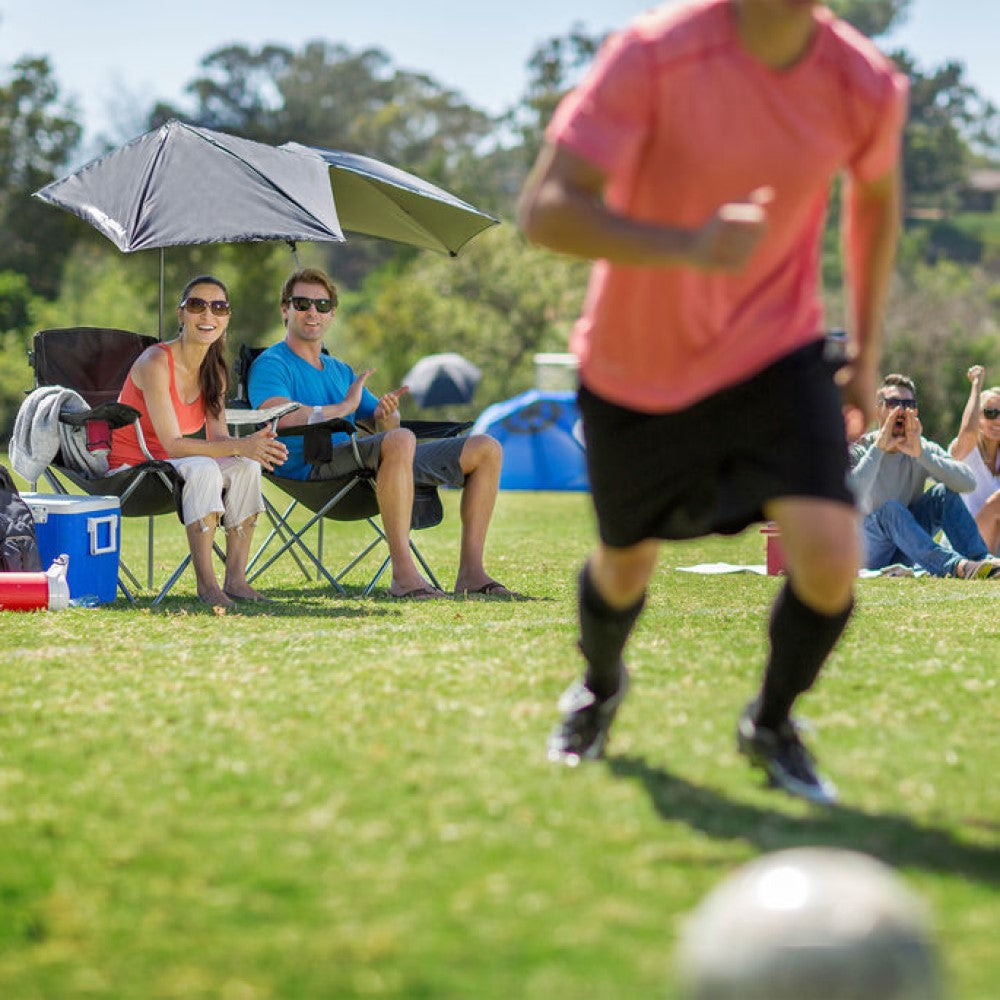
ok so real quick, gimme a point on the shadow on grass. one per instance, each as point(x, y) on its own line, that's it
point(310, 602)
point(894, 839)
point(301, 603)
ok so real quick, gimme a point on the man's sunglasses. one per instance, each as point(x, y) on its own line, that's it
point(892, 402)
point(301, 303)
point(219, 307)
point(991, 412)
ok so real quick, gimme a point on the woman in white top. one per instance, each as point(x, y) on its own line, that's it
point(978, 445)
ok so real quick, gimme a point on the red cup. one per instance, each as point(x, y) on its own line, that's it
point(775, 553)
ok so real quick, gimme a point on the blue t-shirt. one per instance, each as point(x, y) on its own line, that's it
point(279, 371)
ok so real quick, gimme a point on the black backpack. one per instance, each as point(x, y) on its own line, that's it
point(18, 544)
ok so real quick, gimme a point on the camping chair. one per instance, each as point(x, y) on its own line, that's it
point(94, 361)
point(349, 498)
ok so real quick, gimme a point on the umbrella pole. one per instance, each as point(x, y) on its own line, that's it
point(295, 254)
point(160, 328)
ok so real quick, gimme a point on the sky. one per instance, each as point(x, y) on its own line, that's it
point(116, 57)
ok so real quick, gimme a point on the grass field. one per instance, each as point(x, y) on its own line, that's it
point(339, 798)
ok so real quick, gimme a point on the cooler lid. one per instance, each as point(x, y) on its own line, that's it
point(59, 503)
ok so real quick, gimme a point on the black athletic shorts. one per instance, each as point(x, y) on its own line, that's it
point(711, 468)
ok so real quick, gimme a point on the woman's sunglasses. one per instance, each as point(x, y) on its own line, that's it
point(301, 303)
point(219, 307)
point(991, 412)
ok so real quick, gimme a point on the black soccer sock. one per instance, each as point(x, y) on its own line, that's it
point(604, 631)
point(801, 639)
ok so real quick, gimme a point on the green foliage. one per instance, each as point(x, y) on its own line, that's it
point(500, 302)
point(871, 17)
point(942, 319)
point(347, 798)
point(948, 119)
point(38, 135)
point(17, 303)
point(553, 67)
point(329, 96)
point(15, 300)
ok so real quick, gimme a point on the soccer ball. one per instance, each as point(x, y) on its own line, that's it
point(810, 924)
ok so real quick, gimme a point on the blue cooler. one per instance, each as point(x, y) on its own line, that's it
point(87, 530)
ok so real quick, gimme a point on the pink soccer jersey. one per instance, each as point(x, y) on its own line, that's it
point(683, 119)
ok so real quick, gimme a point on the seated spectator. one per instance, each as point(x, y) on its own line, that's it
point(296, 369)
point(179, 388)
point(890, 467)
point(978, 445)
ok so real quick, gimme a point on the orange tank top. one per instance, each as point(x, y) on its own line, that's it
point(125, 448)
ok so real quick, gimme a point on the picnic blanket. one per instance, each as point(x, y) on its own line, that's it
point(714, 569)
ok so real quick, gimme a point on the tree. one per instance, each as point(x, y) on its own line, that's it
point(939, 321)
point(330, 96)
point(871, 17)
point(38, 135)
point(554, 66)
point(948, 120)
point(499, 303)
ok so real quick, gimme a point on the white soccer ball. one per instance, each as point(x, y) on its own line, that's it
point(810, 924)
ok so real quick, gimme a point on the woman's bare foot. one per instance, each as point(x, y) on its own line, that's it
point(215, 598)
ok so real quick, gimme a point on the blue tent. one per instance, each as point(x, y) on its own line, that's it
point(542, 441)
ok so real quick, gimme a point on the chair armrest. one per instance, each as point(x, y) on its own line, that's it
point(426, 428)
point(116, 415)
point(317, 446)
point(437, 428)
point(334, 425)
point(237, 415)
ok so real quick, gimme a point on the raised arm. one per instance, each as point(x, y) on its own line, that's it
point(968, 433)
point(309, 413)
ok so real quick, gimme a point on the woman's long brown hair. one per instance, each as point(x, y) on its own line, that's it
point(213, 375)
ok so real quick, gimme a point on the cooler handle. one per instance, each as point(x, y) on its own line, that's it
point(94, 525)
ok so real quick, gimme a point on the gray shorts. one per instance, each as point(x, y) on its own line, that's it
point(436, 462)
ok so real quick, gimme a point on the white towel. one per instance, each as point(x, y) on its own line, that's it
point(38, 435)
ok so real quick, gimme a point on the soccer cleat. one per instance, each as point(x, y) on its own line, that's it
point(583, 731)
point(783, 756)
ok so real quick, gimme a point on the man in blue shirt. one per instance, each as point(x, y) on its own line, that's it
point(296, 369)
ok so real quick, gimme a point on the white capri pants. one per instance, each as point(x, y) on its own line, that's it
point(207, 479)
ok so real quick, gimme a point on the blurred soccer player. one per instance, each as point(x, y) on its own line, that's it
point(694, 164)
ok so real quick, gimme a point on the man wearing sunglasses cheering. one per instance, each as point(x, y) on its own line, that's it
point(890, 468)
point(297, 369)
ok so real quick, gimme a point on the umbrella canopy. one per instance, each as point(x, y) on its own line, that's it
point(442, 379)
point(181, 185)
point(375, 199)
point(542, 441)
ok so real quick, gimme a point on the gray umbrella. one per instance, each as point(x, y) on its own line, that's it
point(181, 185)
point(376, 199)
point(442, 379)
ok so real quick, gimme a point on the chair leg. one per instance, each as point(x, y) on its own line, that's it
point(295, 538)
point(279, 527)
point(174, 577)
point(358, 558)
point(125, 591)
point(424, 565)
point(149, 553)
point(370, 586)
point(124, 570)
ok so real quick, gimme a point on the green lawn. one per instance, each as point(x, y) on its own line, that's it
point(345, 797)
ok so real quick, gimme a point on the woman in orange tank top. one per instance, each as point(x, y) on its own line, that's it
point(179, 387)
